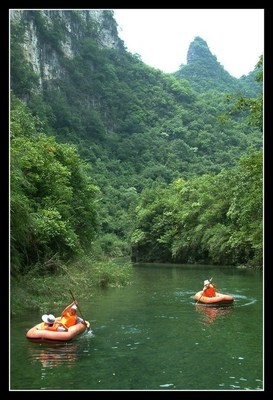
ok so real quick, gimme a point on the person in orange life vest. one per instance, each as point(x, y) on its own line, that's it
point(50, 324)
point(69, 315)
point(209, 289)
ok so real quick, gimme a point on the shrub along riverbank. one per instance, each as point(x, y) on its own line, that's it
point(36, 291)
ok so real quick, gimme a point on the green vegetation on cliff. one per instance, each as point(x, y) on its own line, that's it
point(112, 157)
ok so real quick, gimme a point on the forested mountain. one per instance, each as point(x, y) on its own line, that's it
point(134, 128)
point(204, 72)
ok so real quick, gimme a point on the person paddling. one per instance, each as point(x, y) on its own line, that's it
point(209, 288)
point(69, 316)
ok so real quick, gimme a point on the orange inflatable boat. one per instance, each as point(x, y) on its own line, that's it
point(45, 336)
point(221, 299)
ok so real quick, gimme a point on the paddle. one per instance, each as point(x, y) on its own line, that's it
point(87, 325)
point(199, 298)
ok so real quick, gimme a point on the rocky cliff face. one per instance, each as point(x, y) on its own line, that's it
point(45, 50)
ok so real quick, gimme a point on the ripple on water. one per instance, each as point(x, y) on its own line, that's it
point(242, 301)
point(131, 329)
point(166, 316)
point(166, 385)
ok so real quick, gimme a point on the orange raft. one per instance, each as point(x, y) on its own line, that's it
point(45, 336)
point(221, 299)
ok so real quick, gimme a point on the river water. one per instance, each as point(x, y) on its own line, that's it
point(151, 336)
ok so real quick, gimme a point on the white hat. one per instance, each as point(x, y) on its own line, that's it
point(74, 307)
point(50, 319)
point(206, 282)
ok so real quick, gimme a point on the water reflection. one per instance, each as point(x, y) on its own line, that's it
point(53, 356)
point(210, 313)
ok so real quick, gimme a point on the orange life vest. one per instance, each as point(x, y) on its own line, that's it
point(44, 325)
point(209, 292)
point(69, 319)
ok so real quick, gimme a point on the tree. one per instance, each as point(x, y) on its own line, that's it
point(53, 201)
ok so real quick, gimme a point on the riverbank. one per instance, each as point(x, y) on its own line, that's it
point(43, 291)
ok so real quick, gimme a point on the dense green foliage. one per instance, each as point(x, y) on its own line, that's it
point(211, 219)
point(52, 204)
point(215, 219)
point(167, 166)
point(254, 105)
